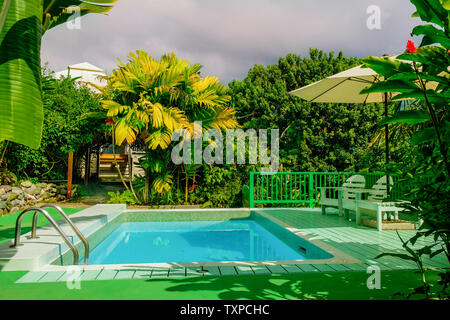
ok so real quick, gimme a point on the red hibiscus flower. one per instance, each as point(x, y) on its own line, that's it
point(410, 47)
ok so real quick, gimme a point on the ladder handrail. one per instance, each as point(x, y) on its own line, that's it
point(55, 225)
point(71, 224)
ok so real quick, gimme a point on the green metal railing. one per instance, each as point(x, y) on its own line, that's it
point(304, 187)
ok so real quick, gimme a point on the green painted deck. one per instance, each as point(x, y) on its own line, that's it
point(360, 242)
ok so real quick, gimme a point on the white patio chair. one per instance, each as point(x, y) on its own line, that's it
point(347, 193)
point(374, 205)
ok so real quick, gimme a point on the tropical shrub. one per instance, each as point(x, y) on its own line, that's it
point(125, 197)
point(150, 99)
point(220, 187)
point(422, 75)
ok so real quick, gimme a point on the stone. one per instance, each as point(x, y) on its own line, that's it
point(14, 203)
point(29, 197)
point(6, 188)
point(14, 210)
point(12, 197)
point(2, 191)
point(42, 185)
point(3, 205)
point(26, 184)
point(31, 190)
point(16, 190)
point(5, 196)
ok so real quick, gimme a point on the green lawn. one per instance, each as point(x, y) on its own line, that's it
point(334, 285)
point(329, 286)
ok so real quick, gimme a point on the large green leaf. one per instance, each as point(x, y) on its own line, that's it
point(431, 11)
point(21, 113)
point(436, 58)
point(424, 136)
point(21, 29)
point(55, 11)
point(407, 116)
point(4, 9)
point(391, 86)
point(432, 35)
point(432, 96)
point(385, 66)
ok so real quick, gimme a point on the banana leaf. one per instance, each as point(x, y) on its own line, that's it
point(55, 11)
point(21, 110)
point(22, 24)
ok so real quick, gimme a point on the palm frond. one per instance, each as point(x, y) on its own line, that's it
point(163, 183)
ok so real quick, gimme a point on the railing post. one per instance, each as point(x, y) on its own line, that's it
point(311, 189)
point(252, 191)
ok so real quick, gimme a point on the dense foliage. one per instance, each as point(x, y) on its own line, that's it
point(423, 76)
point(315, 136)
point(66, 129)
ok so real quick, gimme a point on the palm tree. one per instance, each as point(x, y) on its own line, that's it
point(154, 98)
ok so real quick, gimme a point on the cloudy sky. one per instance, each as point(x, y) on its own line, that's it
point(230, 36)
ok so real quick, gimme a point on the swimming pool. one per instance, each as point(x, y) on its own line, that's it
point(198, 236)
point(192, 241)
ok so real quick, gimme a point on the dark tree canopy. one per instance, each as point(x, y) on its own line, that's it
point(315, 136)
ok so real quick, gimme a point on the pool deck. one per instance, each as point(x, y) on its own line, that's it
point(361, 243)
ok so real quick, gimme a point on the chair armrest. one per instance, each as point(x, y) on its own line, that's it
point(335, 188)
point(363, 190)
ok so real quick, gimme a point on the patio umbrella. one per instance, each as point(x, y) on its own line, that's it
point(345, 87)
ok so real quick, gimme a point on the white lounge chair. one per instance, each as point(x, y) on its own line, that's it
point(346, 194)
point(374, 206)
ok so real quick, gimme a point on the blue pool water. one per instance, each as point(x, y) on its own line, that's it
point(193, 241)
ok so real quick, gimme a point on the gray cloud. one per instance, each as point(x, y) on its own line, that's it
point(228, 37)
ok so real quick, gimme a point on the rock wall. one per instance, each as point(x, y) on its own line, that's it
point(27, 195)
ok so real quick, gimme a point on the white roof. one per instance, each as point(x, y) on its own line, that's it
point(87, 72)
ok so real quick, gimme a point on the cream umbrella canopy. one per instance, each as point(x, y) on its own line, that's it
point(345, 87)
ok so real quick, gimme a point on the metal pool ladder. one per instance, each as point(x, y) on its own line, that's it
point(56, 226)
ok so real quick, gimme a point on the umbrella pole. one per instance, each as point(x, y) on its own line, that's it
point(386, 134)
